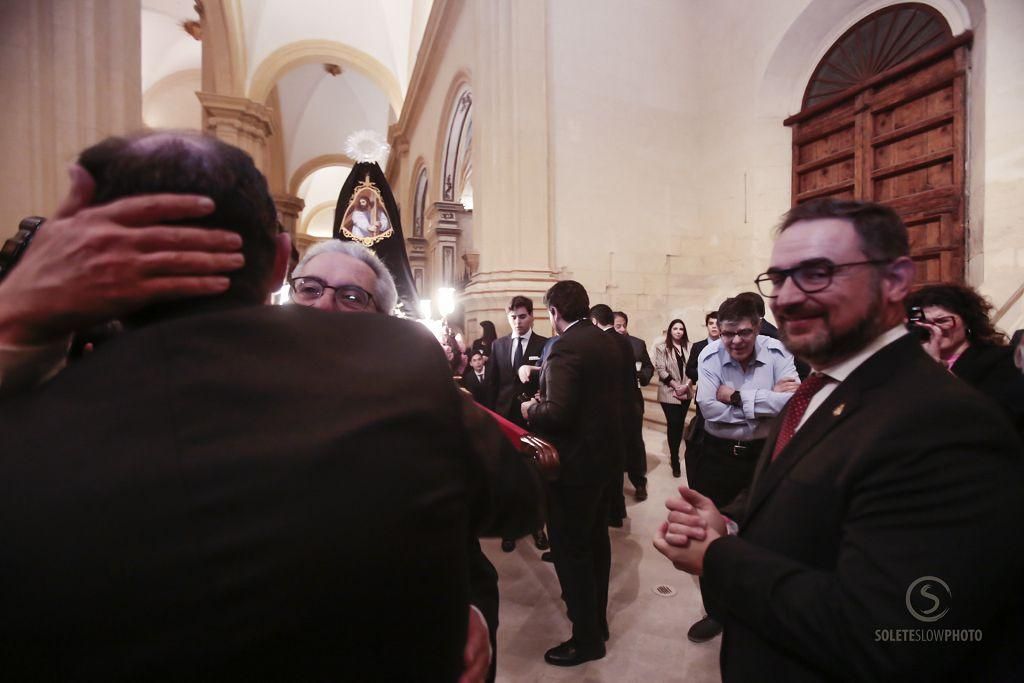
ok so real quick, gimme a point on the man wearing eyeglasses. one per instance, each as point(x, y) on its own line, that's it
point(746, 379)
point(202, 506)
point(880, 537)
point(343, 276)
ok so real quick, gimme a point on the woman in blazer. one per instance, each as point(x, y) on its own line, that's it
point(673, 389)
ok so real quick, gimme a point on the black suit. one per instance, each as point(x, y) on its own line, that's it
point(483, 392)
point(902, 473)
point(189, 502)
point(506, 379)
point(630, 408)
point(636, 451)
point(578, 414)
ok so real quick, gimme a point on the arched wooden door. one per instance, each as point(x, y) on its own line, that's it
point(884, 120)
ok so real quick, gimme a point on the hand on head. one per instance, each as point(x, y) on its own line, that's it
point(89, 264)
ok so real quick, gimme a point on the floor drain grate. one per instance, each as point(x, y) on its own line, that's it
point(664, 591)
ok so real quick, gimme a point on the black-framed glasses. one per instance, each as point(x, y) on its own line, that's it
point(745, 334)
point(307, 289)
point(809, 276)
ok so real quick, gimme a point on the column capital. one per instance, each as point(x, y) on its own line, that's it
point(247, 116)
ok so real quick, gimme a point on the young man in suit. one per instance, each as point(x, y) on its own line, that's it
point(625, 373)
point(578, 411)
point(477, 381)
point(193, 529)
point(522, 347)
point(870, 545)
point(636, 451)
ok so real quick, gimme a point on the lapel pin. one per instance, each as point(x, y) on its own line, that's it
point(839, 409)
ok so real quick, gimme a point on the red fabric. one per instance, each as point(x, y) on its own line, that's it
point(796, 408)
point(511, 430)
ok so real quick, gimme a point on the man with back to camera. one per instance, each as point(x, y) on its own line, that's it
point(509, 353)
point(625, 374)
point(578, 412)
point(201, 528)
point(879, 522)
point(636, 451)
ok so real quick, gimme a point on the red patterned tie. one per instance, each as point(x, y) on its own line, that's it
point(796, 409)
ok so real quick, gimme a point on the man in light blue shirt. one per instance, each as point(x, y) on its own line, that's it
point(745, 381)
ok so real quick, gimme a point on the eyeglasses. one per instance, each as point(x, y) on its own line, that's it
point(306, 290)
point(946, 322)
point(809, 277)
point(744, 334)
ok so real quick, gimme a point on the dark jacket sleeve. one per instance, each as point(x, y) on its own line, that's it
point(646, 371)
point(691, 362)
point(558, 411)
point(505, 489)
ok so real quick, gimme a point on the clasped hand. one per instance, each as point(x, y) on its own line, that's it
point(692, 524)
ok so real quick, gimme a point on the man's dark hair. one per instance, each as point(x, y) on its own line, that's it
point(883, 236)
point(738, 308)
point(185, 162)
point(520, 301)
point(755, 299)
point(711, 315)
point(972, 307)
point(620, 314)
point(570, 298)
point(602, 313)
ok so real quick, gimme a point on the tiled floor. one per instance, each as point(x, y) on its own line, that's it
point(648, 632)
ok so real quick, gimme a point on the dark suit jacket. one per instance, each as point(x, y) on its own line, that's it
point(903, 473)
point(691, 362)
point(640, 355)
point(990, 370)
point(506, 381)
point(244, 494)
point(483, 392)
point(578, 411)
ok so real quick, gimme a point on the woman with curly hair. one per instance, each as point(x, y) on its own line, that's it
point(963, 338)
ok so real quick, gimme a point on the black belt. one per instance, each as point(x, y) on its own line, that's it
point(740, 449)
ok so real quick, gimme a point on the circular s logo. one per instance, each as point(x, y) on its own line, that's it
point(928, 599)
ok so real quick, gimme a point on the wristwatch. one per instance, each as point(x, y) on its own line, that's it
point(736, 400)
point(13, 248)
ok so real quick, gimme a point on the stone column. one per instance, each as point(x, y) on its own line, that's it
point(71, 76)
point(443, 245)
point(240, 122)
point(288, 210)
point(512, 228)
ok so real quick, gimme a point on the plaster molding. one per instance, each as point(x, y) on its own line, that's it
point(303, 52)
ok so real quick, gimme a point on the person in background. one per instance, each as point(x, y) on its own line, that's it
point(961, 337)
point(636, 451)
point(694, 435)
point(486, 339)
point(477, 381)
point(673, 388)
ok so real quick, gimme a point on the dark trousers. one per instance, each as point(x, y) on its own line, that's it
point(675, 416)
point(578, 528)
point(636, 451)
point(726, 467)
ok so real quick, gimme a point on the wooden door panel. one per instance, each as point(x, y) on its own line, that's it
point(897, 140)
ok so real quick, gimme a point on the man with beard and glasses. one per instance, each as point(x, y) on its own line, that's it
point(878, 538)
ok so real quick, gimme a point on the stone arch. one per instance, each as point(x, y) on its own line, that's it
point(312, 212)
point(798, 54)
point(453, 134)
point(302, 52)
point(313, 165)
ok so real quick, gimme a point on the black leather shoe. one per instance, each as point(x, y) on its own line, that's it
point(547, 557)
point(568, 654)
point(508, 544)
point(641, 492)
point(540, 539)
point(704, 630)
point(676, 471)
